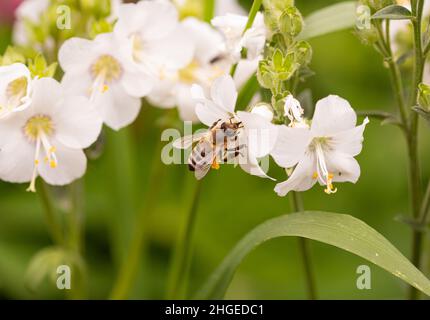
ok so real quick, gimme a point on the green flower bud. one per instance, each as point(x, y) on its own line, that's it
point(291, 22)
point(40, 68)
point(273, 10)
point(303, 52)
point(11, 56)
point(424, 96)
point(264, 75)
point(96, 8)
point(100, 26)
point(367, 36)
point(377, 4)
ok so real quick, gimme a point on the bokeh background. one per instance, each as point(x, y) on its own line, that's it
point(232, 203)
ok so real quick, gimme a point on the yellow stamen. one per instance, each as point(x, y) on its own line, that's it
point(215, 165)
point(330, 188)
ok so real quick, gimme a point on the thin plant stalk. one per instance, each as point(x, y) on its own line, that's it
point(297, 206)
point(76, 216)
point(410, 124)
point(252, 14)
point(129, 268)
point(50, 217)
point(177, 286)
point(208, 10)
point(75, 237)
point(414, 167)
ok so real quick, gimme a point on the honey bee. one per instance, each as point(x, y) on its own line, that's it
point(218, 144)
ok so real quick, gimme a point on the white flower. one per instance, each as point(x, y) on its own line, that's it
point(174, 87)
point(324, 152)
point(253, 40)
point(158, 41)
point(256, 136)
point(15, 89)
point(107, 75)
point(263, 110)
point(28, 11)
point(47, 138)
point(223, 7)
point(293, 111)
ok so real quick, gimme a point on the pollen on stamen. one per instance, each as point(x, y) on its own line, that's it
point(215, 165)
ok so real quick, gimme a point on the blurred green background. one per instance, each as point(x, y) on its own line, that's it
point(233, 202)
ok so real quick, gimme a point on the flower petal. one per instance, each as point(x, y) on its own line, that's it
point(302, 177)
point(72, 54)
point(174, 51)
point(344, 167)
point(207, 111)
point(117, 108)
point(78, 124)
point(16, 153)
point(245, 69)
point(224, 93)
point(261, 133)
point(71, 165)
point(158, 18)
point(186, 105)
point(290, 146)
point(137, 84)
point(207, 41)
point(48, 94)
point(332, 114)
point(349, 141)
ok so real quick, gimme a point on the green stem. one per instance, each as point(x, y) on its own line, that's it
point(252, 14)
point(297, 206)
point(182, 256)
point(414, 169)
point(208, 10)
point(76, 216)
point(425, 208)
point(50, 216)
point(75, 237)
point(130, 265)
point(396, 79)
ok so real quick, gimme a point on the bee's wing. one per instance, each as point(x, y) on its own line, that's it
point(187, 141)
point(205, 155)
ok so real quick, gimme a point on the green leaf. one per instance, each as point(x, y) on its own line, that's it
point(342, 231)
point(393, 12)
point(425, 114)
point(333, 18)
point(247, 92)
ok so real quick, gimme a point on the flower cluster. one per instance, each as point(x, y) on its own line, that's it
point(148, 50)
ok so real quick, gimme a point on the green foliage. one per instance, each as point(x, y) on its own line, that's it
point(44, 265)
point(11, 56)
point(333, 18)
point(393, 12)
point(342, 231)
point(40, 68)
point(377, 4)
point(291, 22)
point(100, 26)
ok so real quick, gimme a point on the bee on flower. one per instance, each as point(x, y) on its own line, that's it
point(323, 152)
point(233, 136)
